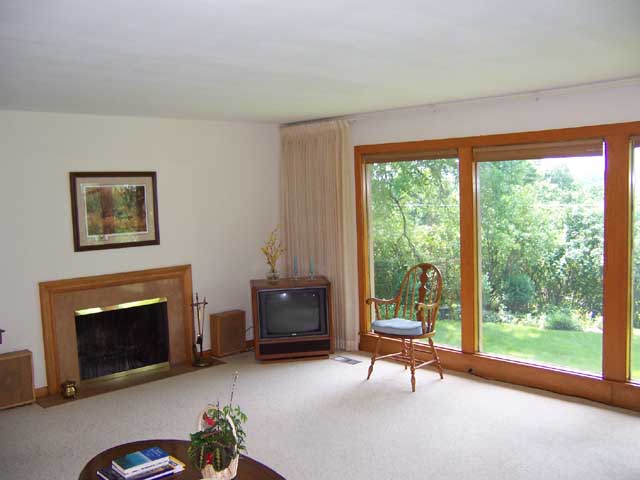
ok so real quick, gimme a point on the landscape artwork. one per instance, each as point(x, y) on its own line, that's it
point(114, 209)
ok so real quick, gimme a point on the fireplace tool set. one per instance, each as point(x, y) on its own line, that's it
point(198, 358)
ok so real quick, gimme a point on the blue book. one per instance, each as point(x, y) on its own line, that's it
point(140, 461)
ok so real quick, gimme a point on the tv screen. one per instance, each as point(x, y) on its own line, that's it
point(293, 312)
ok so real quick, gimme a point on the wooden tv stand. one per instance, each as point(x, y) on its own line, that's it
point(291, 347)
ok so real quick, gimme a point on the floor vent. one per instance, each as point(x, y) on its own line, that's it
point(350, 361)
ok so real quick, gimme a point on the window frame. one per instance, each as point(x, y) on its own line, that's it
point(614, 386)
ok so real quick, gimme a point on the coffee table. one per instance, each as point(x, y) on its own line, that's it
point(248, 468)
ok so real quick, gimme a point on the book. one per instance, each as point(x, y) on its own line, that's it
point(173, 466)
point(140, 461)
point(140, 469)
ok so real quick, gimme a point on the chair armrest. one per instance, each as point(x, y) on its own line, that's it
point(380, 301)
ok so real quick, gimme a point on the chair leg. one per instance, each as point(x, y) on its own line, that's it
point(404, 351)
point(413, 366)
point(437, 358)
point(373, 356)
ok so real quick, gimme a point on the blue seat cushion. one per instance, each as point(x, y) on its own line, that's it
point(397, 326)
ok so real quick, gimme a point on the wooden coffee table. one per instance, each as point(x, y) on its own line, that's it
point(248, 469)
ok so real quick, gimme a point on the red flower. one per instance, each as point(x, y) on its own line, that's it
point(210, 421)
point(209, 458)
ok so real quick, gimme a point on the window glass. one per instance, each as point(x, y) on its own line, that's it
point(541, 255)
point(414, 217)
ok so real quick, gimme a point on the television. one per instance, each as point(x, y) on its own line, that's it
point(293, 312)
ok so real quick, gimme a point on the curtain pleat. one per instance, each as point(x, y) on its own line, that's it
point(318, 214)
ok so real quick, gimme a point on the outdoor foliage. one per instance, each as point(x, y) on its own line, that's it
point(415, 218)
point(541, 229)
point(541, 238)
point(562, 319)
point(541, 241)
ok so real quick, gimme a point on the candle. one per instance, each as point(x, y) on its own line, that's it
point(295, 266)
point(311, 269)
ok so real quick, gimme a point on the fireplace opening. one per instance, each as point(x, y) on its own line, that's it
point(121, 338)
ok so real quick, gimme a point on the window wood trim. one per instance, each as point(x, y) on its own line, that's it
point(409, 156)
point(616, 280)
point(530, 151)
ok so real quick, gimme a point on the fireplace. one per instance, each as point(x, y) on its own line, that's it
point(69, 353)
point(122, 338)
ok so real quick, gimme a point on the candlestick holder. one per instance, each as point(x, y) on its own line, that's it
point(312, 270)
point(295, 272)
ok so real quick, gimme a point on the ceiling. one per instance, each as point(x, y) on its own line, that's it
point(285, 61)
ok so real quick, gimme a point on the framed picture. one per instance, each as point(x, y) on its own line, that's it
point(114, 210)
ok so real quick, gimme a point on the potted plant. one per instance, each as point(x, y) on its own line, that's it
point(215, 448)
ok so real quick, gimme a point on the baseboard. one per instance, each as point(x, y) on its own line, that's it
point(248, 346)
point(42, 391)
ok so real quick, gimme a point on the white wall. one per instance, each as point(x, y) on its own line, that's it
point(217, 195)
point(573, 107)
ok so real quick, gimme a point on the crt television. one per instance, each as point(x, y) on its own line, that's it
point(293, 312)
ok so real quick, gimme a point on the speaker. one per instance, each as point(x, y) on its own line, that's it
point(227, 333)
point(16, 379)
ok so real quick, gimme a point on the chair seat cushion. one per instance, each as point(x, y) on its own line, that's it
point(397, 326)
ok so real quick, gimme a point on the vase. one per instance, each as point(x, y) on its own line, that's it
point(273, 276)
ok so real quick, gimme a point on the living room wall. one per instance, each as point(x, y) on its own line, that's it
point(613, 102)
point(217, 196)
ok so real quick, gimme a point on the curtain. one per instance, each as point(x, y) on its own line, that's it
point(318, 214)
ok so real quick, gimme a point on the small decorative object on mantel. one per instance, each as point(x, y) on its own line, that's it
point(68, 389)
point(198, 311)
point(1, 332)
point(215, 447)
point(312, 270)
point(272, 250)
point(114, 210)
point(295, 267)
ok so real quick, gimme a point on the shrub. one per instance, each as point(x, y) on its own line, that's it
point(489, 316)
point(519, 292)
point(562, 319)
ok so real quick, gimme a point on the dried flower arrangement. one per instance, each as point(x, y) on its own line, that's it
point(272, 250)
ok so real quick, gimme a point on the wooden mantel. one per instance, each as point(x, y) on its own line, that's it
point(60, 297)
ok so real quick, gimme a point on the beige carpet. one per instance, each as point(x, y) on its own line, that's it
point(320, 420)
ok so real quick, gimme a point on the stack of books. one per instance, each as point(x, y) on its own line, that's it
point(147, 464)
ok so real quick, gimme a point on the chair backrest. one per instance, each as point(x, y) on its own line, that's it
point(421, 284)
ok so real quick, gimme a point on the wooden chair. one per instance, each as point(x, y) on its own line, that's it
point(410, 315)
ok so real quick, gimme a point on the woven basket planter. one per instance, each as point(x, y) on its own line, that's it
point(208, 472)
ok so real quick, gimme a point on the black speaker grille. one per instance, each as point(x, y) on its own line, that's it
point(295, 347)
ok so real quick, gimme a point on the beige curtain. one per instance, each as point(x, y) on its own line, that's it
point(318, 214)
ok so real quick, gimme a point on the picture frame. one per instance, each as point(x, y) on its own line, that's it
point(114, 210)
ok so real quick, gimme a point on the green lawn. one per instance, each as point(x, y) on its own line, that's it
point(572, 350)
